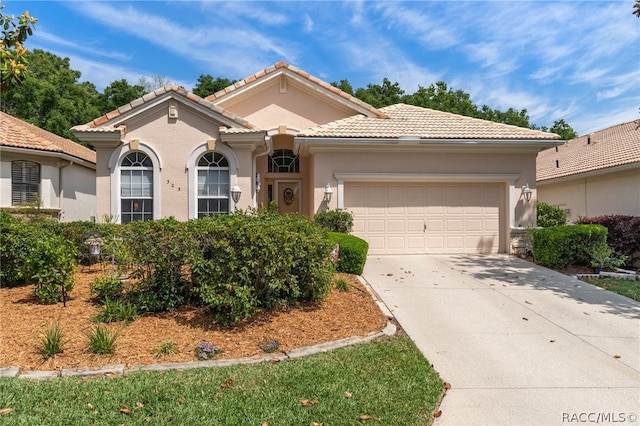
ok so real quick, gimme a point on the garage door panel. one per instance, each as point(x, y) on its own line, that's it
point(459, 217)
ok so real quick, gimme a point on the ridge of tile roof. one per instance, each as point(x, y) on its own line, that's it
point(303, 74)
point(20, 134)
point(614, 146)
point(425, 123)
point(98, 123)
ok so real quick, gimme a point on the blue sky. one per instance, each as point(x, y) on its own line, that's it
point(579, 61)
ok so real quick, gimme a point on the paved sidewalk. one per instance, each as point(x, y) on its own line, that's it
point(520, 344)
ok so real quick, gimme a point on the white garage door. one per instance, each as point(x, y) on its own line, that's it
point(426, 218)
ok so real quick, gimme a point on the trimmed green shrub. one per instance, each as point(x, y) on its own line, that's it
point(159, 249)
point(335, 220)
point(559, 246)
point(14, 245)
point(50, 265)
point(258, 259)
point(623, 234)
point(353, 253)
point(549, 215)
point(108, 286)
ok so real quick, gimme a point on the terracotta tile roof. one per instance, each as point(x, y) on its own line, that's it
point(409, 120)
point(20, 134)
point(611, 147)
point(99, 124)
point(303, 74)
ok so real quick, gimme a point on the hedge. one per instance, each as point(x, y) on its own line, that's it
point(623, 234)
point(353, 252)
point(559, 246)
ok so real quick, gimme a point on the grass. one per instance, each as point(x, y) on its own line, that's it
point(388, 380)
point(117, 310)
point(167, 347)
point(628, 288)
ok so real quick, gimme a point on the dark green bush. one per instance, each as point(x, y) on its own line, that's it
point(353, 253)
point(335, 220)
point(14, 244)
point(623, 234)
point(108, 286)
point(549, 215)
point(159, 250)
point(49, 264)
point(258, 259)
point(559, 246)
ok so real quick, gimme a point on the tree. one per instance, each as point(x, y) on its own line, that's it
point(379, 96)
point(117, 94)
point(441, 98)
point(153, 83)
point(636, 8)
point(13, 64)
point(344, 85)
point(562, 128)
point(51, 97)
point(208, 86)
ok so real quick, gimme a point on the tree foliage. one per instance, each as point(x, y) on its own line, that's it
point(207, 85)
point(13, 64)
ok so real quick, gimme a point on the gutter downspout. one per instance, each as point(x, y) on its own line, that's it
point(61, 197)
point(267, 149)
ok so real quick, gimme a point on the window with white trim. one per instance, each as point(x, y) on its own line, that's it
point(25, 182)
point(213, 184)
point(136, 188)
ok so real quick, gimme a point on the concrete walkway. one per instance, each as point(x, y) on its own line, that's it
point(519, 344)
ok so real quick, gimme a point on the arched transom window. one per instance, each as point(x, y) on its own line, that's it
point(136, 187)
point(213, 184)
point(284, 161)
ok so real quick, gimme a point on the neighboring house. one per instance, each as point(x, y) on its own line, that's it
point(40, 169)
point(416, 180)
point(595, 174)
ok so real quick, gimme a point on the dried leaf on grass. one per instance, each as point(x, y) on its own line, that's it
point(5, 411)
point(309, 403)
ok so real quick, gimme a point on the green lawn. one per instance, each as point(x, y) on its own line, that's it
point(628, 288)
point(388, 380)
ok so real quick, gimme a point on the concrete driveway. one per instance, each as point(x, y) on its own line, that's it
point(519, 344)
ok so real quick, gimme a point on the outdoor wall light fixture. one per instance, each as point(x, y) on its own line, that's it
point(328, 192)
point(235, 195)
point(526, 192)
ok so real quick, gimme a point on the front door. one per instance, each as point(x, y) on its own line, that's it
point(289, 196)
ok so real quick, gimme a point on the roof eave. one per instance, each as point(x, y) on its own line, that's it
point(589, 173)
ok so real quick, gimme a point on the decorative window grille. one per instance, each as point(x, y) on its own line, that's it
point(284, 161)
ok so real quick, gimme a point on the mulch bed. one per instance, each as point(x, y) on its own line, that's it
point(23, 320)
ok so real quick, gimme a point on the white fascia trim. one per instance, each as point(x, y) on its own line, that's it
point(49, 154)
point(192, 172)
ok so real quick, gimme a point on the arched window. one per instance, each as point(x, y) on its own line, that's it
point(213, 184)
point(284, 161)
point(136, 187)
point(25, 182)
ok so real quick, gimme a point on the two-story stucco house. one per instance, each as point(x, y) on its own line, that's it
point(416, 180)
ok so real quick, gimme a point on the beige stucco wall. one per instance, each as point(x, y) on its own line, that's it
point(269, 108)
point(605, 194)
point(78, 199)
